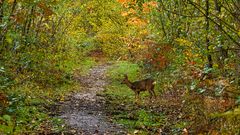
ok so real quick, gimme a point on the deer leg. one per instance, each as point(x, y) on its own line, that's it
point(138, 93)
point(151, 94)
point(136, 96)
point(154, 94)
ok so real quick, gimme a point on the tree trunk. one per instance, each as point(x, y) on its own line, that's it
point(30, 20)
point(13, 7)
point(1, 21)
point(209, 57)
point(1, 10)
point(222, 53)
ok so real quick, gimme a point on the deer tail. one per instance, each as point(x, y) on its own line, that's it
point(154, 83)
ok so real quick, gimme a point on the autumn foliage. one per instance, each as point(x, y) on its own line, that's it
point(191, 48)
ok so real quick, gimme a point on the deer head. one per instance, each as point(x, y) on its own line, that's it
point(125, 80)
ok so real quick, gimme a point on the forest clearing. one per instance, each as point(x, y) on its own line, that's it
point(119, 67)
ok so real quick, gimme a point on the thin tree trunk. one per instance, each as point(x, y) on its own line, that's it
point(1, 21)
point(163, 26)
point(1, 10)
point(223, 53)
point(209, 57)
point(25, 26)
point(14, 7)
point(55, 27)
point(30, 21)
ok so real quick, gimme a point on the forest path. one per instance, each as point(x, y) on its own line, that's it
point(85, 110)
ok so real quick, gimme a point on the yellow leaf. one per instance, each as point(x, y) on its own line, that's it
point(10, 1)
point(9, 39)
point(124, 13)
point(183, 42)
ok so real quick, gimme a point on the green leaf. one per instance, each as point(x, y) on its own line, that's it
point(238, 100)
point(201, 90)
point(7, 118)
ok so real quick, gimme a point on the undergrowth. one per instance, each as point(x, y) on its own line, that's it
point(25, 108)
point(180, 108)
point(138, 118)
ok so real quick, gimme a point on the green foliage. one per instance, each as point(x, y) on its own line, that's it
point(141, 120)
point(8, 128)
point(20, 116)
point(122, 101)
point(231, 119)
point(116, 73)
point(124, 67)
point(57, 125)
point(238, 100)
point(149, 120)
point(125, 111)
point(5, 80)
point(44, 45)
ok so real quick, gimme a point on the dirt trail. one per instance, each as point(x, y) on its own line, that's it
point(85, 111)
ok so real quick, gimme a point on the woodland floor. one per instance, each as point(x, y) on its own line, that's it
point(85, 111)
point(102, 102)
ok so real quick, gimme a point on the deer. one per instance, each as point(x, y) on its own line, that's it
point(139, 86)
